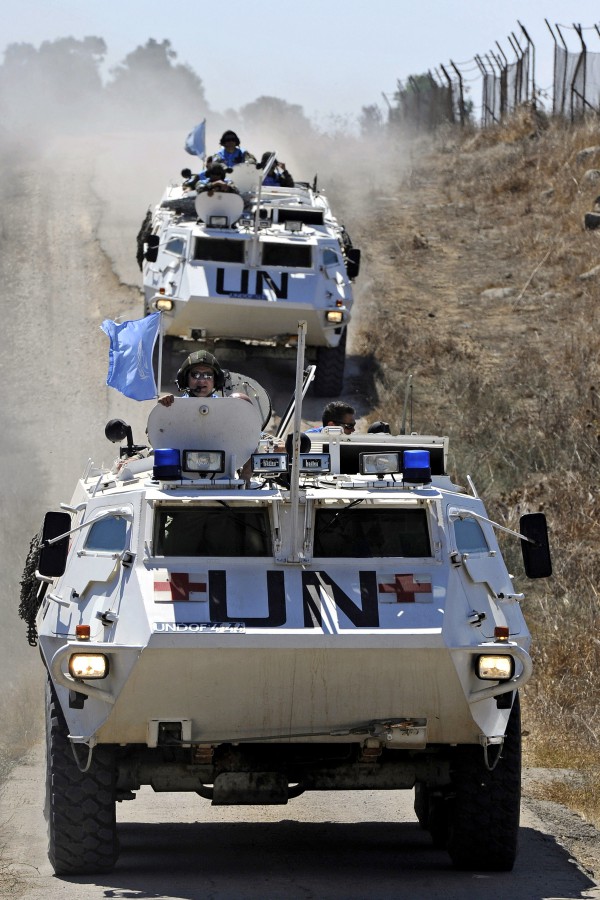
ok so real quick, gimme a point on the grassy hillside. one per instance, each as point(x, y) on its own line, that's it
point(484, 288)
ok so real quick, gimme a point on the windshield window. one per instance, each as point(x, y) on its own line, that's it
point(371, 533)
point(297, 256)
point(219, 250)
point(109, 535)
point(212, 531)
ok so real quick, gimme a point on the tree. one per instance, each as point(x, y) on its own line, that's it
point(149, 87)
point(276, 115)
point(371, 121)
point(54, 87)
point(422, 103)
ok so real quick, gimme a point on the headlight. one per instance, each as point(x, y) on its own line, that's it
point(207, 462)
point(335, 316)
point(495, 668)
point(88, 665)
point(162, 304)
point(379, 463)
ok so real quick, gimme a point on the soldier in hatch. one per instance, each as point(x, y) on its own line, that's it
point(200, 375)
point(230, 154)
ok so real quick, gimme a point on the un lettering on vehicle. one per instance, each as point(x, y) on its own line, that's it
point(321, 597)
point(238, 284)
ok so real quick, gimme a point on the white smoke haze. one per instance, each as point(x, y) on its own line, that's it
point(80, 166)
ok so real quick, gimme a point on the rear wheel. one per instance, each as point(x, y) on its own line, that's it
point(80, 806)
point(329, 377)
point(431, 811)
point(484, 806)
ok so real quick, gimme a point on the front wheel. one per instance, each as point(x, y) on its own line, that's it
point(484, 806)
point(329, 377)
point(80, 806)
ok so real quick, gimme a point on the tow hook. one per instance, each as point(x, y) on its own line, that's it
point(400, 732)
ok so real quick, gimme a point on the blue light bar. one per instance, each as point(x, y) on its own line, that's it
point(417, 467)
point(167, 464)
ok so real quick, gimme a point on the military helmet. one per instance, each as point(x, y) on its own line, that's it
point(200, 358)
point(229, 136)
point(217, 170)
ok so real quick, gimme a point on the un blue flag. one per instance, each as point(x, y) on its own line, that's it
point(130, 356)
point(195, 142)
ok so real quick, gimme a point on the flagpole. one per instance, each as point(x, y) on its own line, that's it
point(160, 353)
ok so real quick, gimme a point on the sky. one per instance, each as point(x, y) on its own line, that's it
point(332, 57)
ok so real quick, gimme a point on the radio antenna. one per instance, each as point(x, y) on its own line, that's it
point(407, 398)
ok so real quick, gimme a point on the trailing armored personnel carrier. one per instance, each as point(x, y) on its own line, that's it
point(340, 618)
point(239, 270)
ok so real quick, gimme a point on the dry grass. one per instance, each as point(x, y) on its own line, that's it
point(513, 378)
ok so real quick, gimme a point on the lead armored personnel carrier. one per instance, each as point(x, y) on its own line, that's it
point(341, 618)
point(238, 270)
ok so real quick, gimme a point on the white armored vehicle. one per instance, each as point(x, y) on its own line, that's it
point(239, 270)
point(340, 619)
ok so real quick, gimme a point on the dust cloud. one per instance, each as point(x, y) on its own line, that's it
point(79, 171)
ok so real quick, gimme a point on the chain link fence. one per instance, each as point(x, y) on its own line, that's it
point(424, 102)
point(576, 87)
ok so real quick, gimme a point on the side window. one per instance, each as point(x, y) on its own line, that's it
point(109, 535)
point(469, 536)
point(330, 257)
point(175, 245)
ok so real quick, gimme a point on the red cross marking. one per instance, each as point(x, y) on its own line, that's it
point(405, 587)
point(180, 587)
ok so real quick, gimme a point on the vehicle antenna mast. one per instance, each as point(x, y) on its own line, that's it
point(407, 398)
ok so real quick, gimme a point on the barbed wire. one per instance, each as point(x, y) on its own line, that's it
point(505, 84)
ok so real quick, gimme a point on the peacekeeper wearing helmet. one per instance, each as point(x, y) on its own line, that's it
point(200, 376)
point(230, 154)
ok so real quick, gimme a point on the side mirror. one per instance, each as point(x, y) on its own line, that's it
point(53, 557)
point(151, 251)
point(536, 556)
point(353, 262)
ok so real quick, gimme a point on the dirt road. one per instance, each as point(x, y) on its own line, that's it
point(61, 285)
point(347, 845)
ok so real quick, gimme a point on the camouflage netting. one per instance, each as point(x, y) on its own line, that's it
point(31, 591)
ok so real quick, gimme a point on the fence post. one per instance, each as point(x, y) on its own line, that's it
point(530, 46)
point(557, 26)
point(582, 59)
point(486, 112)
point(461, 94)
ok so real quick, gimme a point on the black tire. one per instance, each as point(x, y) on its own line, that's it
point(431, 812)
point(329, 377)
point(438, 823)
point(80, 806)
point(484, 807)
point(421, 804)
